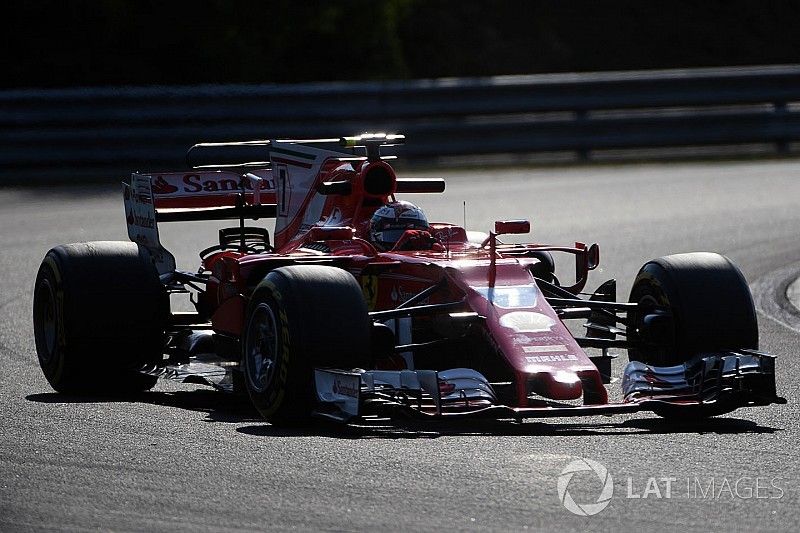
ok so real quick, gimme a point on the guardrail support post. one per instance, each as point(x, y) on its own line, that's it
point(781, 109)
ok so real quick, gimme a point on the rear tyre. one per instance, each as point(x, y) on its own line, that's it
point(709, 303)
point(301, 317)
point(99, 311)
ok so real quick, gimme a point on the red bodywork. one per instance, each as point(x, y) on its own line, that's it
point(324, 201)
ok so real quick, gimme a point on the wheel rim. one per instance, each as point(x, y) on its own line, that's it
point(652, 354)
point(46, 321)
point(261, 348)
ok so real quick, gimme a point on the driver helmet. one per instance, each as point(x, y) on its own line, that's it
point(392, 220)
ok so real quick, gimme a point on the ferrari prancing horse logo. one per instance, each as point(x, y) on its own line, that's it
point(369, 286)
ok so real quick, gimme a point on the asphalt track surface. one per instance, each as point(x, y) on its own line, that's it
point(183, 457)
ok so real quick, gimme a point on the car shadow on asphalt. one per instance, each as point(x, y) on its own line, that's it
point(433, 429)
point(233, 409)
point(217, 406)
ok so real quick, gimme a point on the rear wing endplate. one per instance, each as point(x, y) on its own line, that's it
point(140, 216)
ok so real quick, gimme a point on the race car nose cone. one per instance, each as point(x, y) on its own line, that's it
point(527, 322)
point(559, 385)
point(565, 378)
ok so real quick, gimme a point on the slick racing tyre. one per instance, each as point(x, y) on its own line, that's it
point(99, 311)
point(301, 317)
point(706, 306)
point(546, 267)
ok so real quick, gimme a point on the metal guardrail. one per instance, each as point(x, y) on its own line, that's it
point(108, 132)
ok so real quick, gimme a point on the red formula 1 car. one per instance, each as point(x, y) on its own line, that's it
point(442, 324)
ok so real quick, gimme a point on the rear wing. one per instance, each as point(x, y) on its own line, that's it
point(210, 191)
point(192, 196)
point(234, 180)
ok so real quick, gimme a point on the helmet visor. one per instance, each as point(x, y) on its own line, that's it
point(390, 236)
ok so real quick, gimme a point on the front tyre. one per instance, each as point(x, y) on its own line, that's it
point(705, 304)
point(298, 318)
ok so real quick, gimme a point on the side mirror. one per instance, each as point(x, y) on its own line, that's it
point(502, 227)
point(505, 227)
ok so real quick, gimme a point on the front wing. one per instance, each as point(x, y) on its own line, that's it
point(709, 384)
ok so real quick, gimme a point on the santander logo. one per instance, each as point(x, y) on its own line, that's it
point(207, 183)
point(344, 389)
point(160, 186)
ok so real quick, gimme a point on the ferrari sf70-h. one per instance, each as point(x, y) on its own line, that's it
point(317, 320)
